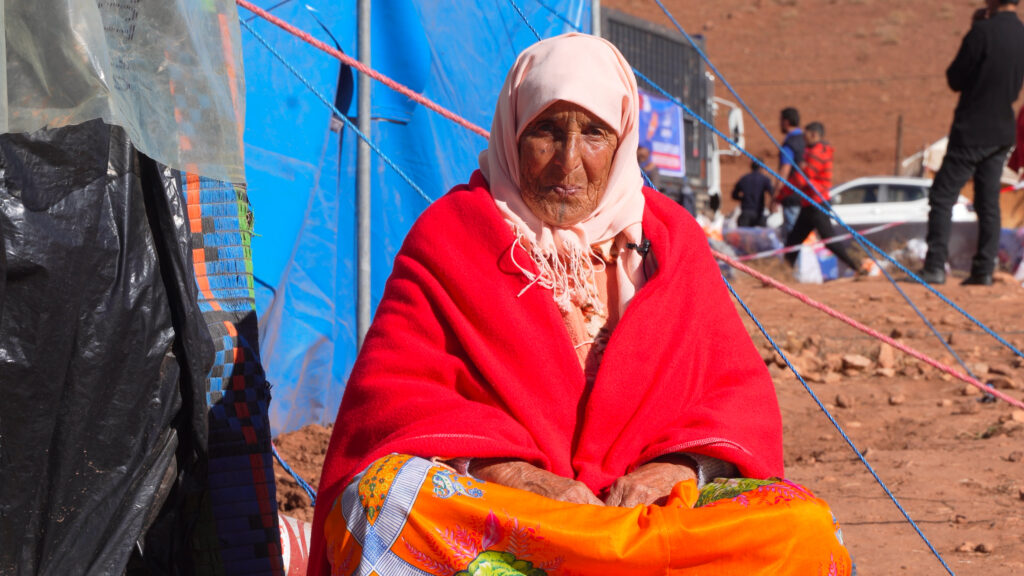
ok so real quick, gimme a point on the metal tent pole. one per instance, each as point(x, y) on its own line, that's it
point(363, 181)
point(595, 17)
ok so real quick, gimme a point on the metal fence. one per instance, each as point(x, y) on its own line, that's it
point(668, 59)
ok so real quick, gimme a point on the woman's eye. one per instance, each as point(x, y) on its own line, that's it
point(543, 128)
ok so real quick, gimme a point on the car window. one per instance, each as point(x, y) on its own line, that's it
point(905, 193)
point(857, 195)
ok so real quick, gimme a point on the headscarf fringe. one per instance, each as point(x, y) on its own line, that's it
point(571, 275)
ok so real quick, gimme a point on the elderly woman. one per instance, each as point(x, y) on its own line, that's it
point(556, 370)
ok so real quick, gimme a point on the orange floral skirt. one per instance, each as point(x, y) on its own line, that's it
point(409, 516)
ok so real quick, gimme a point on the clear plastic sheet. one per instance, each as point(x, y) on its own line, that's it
point(169, 72)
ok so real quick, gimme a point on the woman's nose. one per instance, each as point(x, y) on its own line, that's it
point(569, 154)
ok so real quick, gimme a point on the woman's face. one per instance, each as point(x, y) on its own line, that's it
point(565, 157)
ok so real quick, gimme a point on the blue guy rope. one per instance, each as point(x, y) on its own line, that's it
point(525, 19)
point(869, 248)
point(302, 483)
point(768, 133)
point(930, 326)
point(864, 241)
point(870, 253)
point(920, 314)
point(839, 428)
point(810, 391)
point(718, 74)
point(556, 14)
point(387, 160)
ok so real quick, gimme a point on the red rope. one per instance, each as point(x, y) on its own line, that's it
point(869, 331)
point(349, 61)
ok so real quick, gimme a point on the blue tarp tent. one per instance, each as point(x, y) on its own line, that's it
point(300, 163)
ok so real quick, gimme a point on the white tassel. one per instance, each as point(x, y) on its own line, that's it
point(570, 277)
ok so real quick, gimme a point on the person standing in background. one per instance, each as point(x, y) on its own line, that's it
point(643, 157)
point(688, 198)
point(750, 191)
point(987, 72)
point(817, 166)
point(791, 154)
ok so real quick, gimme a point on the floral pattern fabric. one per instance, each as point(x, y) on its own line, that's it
point(409, 516)
point(374, 485)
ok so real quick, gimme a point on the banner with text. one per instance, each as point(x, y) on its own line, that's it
point(661, 132)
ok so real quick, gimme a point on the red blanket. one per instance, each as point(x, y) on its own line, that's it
point(455, 364)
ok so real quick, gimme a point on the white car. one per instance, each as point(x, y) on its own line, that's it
point(883, 199)
point(875, 200)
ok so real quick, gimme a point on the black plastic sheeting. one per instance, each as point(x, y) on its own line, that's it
point(103, 359)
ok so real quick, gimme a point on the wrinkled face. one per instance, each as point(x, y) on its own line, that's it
point(565, 158)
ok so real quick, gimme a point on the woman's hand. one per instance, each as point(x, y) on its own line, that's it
point(524, 476)
point(652, 482)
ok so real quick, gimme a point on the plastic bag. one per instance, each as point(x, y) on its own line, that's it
point(917, 249)
point(753, 240)
point(168, 72)
point(103, 350)
point(807, 269)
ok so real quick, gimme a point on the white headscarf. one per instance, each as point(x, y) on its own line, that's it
point(591, 73)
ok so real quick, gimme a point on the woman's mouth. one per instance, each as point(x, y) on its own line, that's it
point(565, 190)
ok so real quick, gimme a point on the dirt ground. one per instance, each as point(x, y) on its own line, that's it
point(955, 464)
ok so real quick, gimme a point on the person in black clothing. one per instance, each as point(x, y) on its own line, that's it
point(750, 191)
point(688, 198)
point(987, 71)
